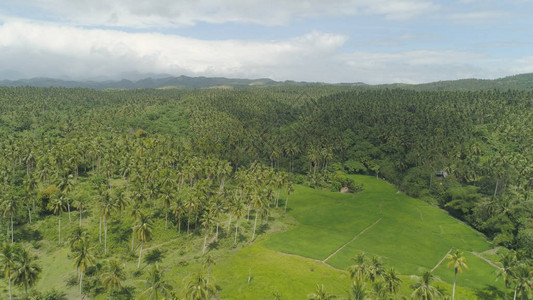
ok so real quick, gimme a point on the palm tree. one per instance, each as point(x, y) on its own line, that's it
point(288, 190)
point(107, 205)
point(58, 207)
point(143, 232)
point(82, 260)
point(320, 294)
point(8, 260)
point(357, 291)
point(507, 263)
point(198, 288)
point(209, 260)
point(375, 268)
point(26, 270)
point(523, 279)
point(392, 281)
point(359, 270)
point(76, 236)
point(423, 290)
point(156, 286)
point(238, 210)
point(10, 206)
point(113, 275)
point(458, 261)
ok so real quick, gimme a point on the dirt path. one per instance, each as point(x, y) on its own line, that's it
point(355, 237)
point(308, 258)
point(440, 262)
point(485, 259)
point(162, 244)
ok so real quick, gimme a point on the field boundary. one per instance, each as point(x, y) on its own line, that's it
point(443, 258)
point(353, 239)
point(486, 260)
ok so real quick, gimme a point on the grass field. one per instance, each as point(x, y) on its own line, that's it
point(407, 233)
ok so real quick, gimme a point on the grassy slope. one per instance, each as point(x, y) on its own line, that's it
point(410, 236)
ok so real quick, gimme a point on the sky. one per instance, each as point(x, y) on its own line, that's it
point(371, 41)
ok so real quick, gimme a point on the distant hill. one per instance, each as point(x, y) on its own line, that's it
point(516, 82)
point(153, 83)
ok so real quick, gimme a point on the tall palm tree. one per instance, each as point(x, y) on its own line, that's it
point(8, 262)
point(392, 281)
point(76, 236)
point(26, 270)
point(82, 260)
point(113, 275)
point(359, 270)
point(423, 290)
point(375, 268)
point(288, 190)
point(357, 290)
point(320, 294)
point(198, 288)
point(10, 205)
point(156, 286)
point(458, 261)
point(507, 263)
point(209, 260)
point(523, 279)
point(107, 205)
point(58, 206)
point(143, 230)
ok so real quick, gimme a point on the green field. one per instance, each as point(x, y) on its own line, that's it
point(406, 233)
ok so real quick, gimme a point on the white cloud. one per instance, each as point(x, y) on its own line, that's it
point(151, 13)
point(39, 50)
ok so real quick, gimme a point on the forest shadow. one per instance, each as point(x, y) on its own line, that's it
point(490, 292)
point(28, 234)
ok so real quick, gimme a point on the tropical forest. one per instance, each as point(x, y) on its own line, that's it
point(266, 191)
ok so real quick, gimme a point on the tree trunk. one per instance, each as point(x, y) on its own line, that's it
point(229, 223)
point(81, 211)
point(68, 207)
point(9, 277)
point(81, 280)
point(286, 201)
point(496, 187)
point(179, 224)
point(514, 297)
point(216, 236)
point(105, 236)
point(100, 233)
point(255, 225)
point(188, 222)
point(140, 254)
point(132, 239)
point(166, 219)
point(454, 280)
point(11, 229)
point(29, 213)
point(236, 231)
point(205, 241)
point(59, 229)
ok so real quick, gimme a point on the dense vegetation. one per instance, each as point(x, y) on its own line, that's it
point(210, 169)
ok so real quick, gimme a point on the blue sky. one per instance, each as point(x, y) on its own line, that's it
point(372, 41)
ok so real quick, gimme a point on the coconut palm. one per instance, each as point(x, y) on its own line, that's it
point(156, 286)
point(375, 268)
point(357, 291)
point(113, 275)
point(359, 270)
point(522, 275)
point(82, 259)
point(392, 281)
point(58, 206)
point(423, 290)
point(507, 263)
point(8, 261)
point(10, 205)
point(320, 294)
point(143, 230)
point(76, 236)
point(458, 261)
point(289, 188)
point(26, 270)
point(209, 260)
point(198, 288)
